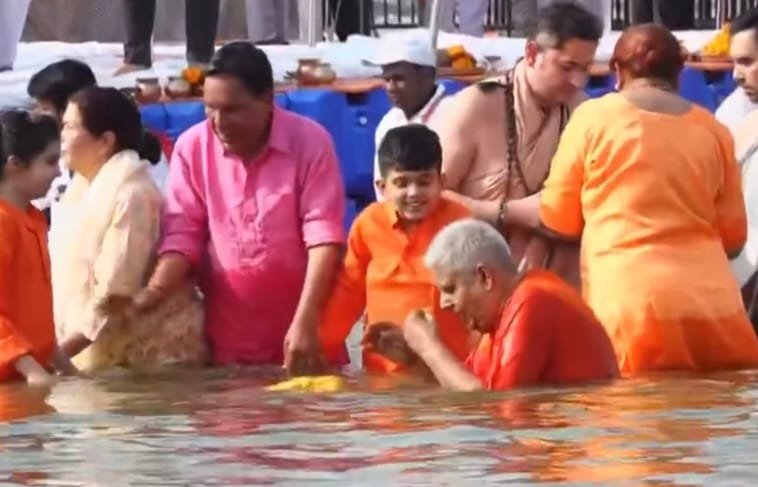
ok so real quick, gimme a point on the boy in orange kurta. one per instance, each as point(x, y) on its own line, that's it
point(383, 269)
point(28, 165)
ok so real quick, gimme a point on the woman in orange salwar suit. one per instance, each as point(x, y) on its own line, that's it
point(650, 184)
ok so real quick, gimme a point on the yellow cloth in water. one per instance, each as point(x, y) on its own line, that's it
point(322, 383)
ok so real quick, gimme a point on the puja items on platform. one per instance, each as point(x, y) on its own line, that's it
point(312, 72)
point(718, 46)
point(455, 57)
point(178, 87)
point(148, 90)
point(195, 77)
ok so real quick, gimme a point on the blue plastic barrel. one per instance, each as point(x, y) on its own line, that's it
point(694, 87)
point(154, 117)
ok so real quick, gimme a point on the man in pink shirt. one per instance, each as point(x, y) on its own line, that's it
point(254, 207)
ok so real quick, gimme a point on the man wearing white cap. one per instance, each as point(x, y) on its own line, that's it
point(410, 73)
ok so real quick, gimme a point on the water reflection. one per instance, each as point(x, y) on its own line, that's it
point(220, 428)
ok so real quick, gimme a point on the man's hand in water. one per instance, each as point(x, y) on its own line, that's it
point(387, 339)
point(62, 364)
point(33, 372)
point(302, 349)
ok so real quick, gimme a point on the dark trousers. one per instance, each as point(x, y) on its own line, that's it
point(201, 23)
point(673, 14)
point(349, 17)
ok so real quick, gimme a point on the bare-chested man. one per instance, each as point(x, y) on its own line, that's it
point(501, 134)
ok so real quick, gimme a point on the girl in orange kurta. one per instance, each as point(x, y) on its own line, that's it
point(651, 185)
point(29, 150)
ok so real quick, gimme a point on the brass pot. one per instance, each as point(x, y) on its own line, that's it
point(324, 74)
point(312, 72)
point(305, 68)
point(178, 87)
point(149, 90)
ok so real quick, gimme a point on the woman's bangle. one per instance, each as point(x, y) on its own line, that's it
point(502, 214)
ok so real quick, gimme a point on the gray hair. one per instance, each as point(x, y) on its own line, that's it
point(465, 244)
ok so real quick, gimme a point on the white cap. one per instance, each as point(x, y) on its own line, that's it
point(408, 51)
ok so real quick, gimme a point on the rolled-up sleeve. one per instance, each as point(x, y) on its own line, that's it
point(322, 195)
point(185, 217)
point(560, 199)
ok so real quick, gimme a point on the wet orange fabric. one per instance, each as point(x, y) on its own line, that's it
point(657, 200)
point(384, 273)
point(546, 335)
point(26, 300)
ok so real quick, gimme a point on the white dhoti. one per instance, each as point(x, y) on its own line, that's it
point(471, 16)
point(601, 8)
point(12, 20)
point(275, 20)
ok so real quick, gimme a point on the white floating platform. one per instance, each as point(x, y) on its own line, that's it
point(344, 57)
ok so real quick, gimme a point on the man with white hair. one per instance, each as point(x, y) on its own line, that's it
point(536, 328)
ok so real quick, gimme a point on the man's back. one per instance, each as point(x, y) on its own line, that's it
point(547, 336)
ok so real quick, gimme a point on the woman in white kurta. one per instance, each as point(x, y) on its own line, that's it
point(102, 247)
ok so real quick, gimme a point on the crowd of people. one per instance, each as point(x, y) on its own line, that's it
point(522, 235)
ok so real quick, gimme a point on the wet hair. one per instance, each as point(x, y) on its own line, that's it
point(560, 22)
point(25, 136)
point(412, 147)
point(108, 110)
point(648, 51)
point(56, 82)
point(247, 63)
point(746, 21)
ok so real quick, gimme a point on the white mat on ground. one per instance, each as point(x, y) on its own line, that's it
point(344, 57)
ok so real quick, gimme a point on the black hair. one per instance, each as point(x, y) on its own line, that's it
point(247, 63)
point(746, 21)
point(108, 110)
point(563, 21)
point(25, 135)
point(412, 147)
point(56, 82)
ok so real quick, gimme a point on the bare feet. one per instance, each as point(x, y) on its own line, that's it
point(129, 68)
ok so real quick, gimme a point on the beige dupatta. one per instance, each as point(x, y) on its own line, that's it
point(538, 132)
point(104, 245)
point(81, 262)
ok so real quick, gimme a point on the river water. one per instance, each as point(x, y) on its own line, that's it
point(219, 428)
